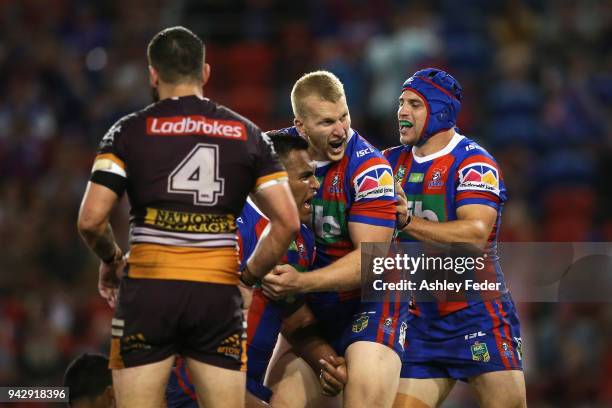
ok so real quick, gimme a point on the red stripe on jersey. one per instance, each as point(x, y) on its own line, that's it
point(396, 309)
point(374, 161)
point(349, 294)
point(445, 308)
point(478, 158)
point(380, 334)
point(337, 251)
point(462, 195)
point(180, 381)
point(497, 334)
point(406, 157)
point(507, 330)
point(381, 209)
point(256, 311)
point(260, 226)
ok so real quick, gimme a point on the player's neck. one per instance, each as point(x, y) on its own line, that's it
point(182, 89)
point(435, 143)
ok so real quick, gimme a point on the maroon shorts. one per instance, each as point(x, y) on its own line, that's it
point(156, 319)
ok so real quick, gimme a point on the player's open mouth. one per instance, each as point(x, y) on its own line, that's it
point(308, 204)
point(405, 124)
point(337, 146)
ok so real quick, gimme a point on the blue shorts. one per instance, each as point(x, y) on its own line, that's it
point(264, 324)
point(481, 338)
point(180, 392)
point(349, 321)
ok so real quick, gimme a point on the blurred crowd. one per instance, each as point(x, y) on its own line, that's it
point(537, 81)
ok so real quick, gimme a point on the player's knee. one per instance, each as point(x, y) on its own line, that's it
point(514, 398)
point(369, 391)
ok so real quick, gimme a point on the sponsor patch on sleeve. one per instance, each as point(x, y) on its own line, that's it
point(479, 177)
point(110, 163)
point(376, 181)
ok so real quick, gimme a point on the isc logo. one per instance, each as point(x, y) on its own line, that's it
point(474, 335)
point(365, 151)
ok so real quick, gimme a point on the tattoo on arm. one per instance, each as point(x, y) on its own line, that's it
point(104, 244)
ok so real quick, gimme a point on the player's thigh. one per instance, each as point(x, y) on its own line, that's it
point(217, 386)
point(422, 392)
point(500, 389)
point(252, 401)
point(374, 371)
point(142, 386)
point(294, 384)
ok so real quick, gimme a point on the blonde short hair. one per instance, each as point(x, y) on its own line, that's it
point(321, 83)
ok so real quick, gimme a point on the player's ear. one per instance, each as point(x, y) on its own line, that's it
point(153, 77)
point(299, 125)
point(205, 73)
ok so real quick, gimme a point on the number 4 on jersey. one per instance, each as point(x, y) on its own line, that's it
point(198, 175)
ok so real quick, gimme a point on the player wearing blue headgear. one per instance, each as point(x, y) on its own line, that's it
point(454, 193)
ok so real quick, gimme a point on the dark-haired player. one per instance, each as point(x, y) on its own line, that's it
point(455, 193)
point(187, 165)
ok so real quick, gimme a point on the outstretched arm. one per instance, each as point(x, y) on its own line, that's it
point(344, 274)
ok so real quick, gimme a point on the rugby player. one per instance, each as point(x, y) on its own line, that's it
point(355, 204)
point(455, 193)
point(294, 384)
point(187, 165)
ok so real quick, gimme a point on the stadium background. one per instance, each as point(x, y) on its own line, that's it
point(537, 79)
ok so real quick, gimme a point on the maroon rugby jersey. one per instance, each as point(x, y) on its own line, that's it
point(187, 165)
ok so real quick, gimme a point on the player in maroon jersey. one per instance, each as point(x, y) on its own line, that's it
point(187, 165)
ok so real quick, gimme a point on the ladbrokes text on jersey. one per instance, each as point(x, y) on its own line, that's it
point(195, 125)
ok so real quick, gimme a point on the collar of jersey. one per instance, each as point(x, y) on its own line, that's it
point(323, 163)
point(446, 150)
point(176, 98)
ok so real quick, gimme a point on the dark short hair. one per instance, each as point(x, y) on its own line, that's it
point(87, 376)
point(177, 54)
point(285, 143)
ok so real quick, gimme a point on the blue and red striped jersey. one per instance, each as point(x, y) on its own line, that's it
point(357, 188)
point(437, 185)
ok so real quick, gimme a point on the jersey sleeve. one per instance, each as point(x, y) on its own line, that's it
point(246, 239)
point(311, 249)
point(267, 168)
point(373, 193)
point(109, 167)
point(479, 181)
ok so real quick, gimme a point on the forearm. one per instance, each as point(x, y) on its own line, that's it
point(102, 241)
point(344, 274)
point(305, 339)
point(312, 350)
point(270, 248)
point(464, 231)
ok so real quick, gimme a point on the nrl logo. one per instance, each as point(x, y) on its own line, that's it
point(360, 324)
point(401, 172)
